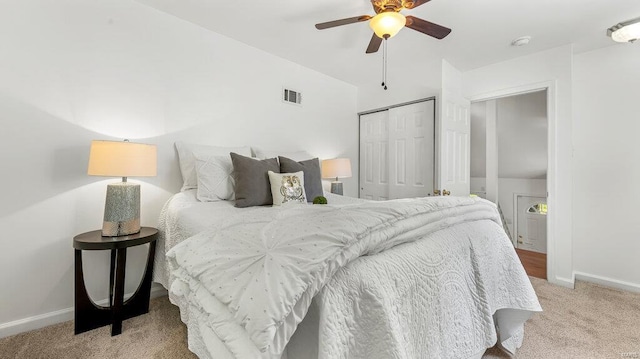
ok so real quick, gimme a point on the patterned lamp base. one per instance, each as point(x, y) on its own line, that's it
point(121, 210)
point(336, 187)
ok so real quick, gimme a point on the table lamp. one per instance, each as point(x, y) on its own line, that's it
point(122, 159)
point(336, 168)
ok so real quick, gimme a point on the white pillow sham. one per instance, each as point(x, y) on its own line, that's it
point(294, 155)
point(287, 188)
point(187, 159)
point(215, 178)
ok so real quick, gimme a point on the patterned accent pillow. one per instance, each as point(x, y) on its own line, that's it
point(215, 178)
point(312, 175)
point(287, 188)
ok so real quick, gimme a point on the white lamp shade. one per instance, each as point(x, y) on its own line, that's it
point(122, 159)
point(387, 23)
point(336, 168)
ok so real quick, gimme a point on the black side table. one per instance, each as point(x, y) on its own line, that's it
point(89, 315)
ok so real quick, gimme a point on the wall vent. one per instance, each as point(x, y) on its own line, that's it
point(291, 96)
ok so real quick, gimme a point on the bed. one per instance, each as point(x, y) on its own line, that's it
point(415, 278)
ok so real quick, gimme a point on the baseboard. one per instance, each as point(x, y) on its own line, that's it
point(58, 316)
point(563, 282)
point(608, 282)
point(35, 322)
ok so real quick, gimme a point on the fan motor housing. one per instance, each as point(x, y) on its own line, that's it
point(389, 5)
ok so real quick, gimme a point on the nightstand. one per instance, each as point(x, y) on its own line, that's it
point(89, 315)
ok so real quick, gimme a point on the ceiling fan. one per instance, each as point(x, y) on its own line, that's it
point(388, 21)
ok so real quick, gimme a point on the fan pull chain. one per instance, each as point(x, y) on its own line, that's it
point(384, 63)
point(383, 67)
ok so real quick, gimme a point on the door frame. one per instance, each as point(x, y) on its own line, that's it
point(387, 108)
point(552, 156)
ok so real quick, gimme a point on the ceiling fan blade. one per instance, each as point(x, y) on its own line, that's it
point(426, 27)
point(350, 20)
point(374, 44)
point(412, 4)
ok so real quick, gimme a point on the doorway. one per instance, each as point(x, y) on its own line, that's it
point(509, 164)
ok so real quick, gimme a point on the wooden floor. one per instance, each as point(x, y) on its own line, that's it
point(535, 264)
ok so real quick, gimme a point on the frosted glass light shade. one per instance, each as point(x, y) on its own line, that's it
point(122, 159)
point(387, 23)
point(628, 31)
point(336, 168)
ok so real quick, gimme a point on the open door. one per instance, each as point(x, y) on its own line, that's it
point(454, 144)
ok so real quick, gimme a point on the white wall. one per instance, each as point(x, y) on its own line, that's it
point(479, 186)
point(522, 127)
point(606, 179)
point(478, 139)
point(493, 151)
point(73, 71)
point(547, 68)
point(403, 86)
point(522, 136)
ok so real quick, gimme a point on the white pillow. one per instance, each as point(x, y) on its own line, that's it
point(215, 178)
point(295, 155)
point(186, 156)
point(287, 188)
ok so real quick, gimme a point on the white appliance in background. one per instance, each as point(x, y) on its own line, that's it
point(531, 223)
point(397, 152)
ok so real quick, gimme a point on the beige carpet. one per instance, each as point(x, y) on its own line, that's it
point(589, 322)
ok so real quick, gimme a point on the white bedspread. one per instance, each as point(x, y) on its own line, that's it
point(437, 304)
point(184, 216)
point(445, 269)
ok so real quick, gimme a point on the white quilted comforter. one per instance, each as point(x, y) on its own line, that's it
point(420, 278)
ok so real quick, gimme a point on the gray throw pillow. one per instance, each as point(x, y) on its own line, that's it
point(252, 180)
point(312, 176)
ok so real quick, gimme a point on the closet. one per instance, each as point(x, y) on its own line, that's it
point(397, 151)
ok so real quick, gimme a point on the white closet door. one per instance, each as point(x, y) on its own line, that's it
point(411, 150)
point(374, 154)
point(455, 128)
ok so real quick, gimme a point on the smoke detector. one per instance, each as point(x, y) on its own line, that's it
point(521, 41)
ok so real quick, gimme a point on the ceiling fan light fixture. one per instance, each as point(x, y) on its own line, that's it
point(628, 31)
point(387, 24)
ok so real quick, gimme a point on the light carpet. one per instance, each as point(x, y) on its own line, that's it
point(588, 322)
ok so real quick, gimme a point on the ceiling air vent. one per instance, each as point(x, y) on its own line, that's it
point(291, 96)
